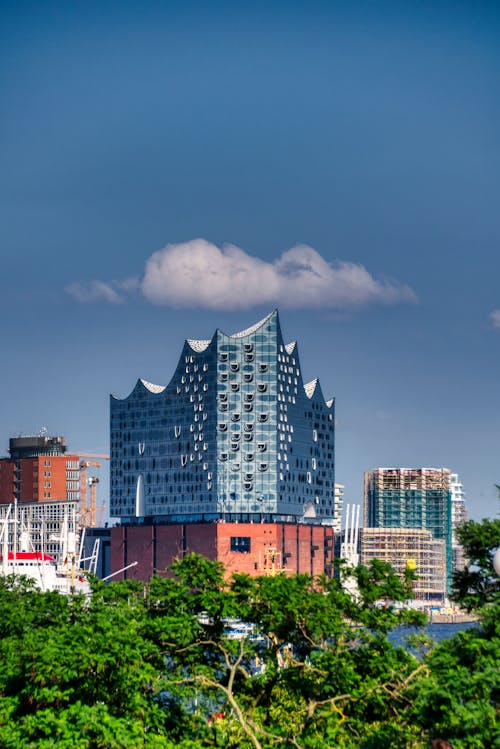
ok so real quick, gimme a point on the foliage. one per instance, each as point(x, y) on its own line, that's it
point(458, 697)
point(477, 584)
point(195, 659)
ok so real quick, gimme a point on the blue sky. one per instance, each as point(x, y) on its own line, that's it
point(340, 161)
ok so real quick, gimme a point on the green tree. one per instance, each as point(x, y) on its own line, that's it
point(195, 659)
point(316, 670)
point(477, 584)
point(458, 698)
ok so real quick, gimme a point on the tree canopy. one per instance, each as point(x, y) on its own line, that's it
point(194, 659)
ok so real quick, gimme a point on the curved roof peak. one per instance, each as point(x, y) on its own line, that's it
point(152, 387)
point(290, 347)
point(310, 387)
point(198, 346)
point(253, 328)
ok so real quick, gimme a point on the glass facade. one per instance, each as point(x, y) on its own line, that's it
point(235, 435)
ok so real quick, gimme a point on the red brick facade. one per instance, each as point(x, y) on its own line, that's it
point(253, 548)
point(43, 478)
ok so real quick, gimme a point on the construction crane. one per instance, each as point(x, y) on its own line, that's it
point(88, 511)
point(93, 455)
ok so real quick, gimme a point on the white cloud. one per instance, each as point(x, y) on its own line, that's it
point(101, 291)
point(197, 273)
point(495, 318)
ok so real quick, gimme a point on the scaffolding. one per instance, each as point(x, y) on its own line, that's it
point(409, 548)
point(418, 498)
point(270, 562)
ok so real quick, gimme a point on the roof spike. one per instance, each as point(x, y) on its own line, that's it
point(310, 387)
point(253, 328)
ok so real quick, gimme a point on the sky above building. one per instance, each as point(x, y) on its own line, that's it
point(172, 168)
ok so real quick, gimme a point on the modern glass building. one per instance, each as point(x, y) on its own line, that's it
point(236, 435)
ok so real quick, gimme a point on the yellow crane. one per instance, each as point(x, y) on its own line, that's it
point(88, 510)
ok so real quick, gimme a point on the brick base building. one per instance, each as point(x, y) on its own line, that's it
point(252, 548)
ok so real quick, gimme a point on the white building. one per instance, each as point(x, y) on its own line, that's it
point(338, 506)
point(458, 517)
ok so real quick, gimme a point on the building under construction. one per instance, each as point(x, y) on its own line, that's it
point(410, 549)
point(408, 499)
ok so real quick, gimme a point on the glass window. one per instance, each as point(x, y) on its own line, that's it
point(240, 544)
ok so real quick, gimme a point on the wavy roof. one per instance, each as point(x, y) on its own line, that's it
point(253, 328)
point(310, 387)
point(198, 346)
point(152, 387)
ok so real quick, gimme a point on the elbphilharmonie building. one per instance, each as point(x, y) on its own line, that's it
point(235, 436)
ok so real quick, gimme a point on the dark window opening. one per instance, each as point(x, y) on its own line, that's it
point(240, 544)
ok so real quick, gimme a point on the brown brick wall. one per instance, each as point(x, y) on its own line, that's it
point(273, 547)
point(169, 545)
point(118, 549)
point(35, 476)
point(6, 481)
point(202, 539)
point(140, 549)
point(263, 536)
point(57, 479)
